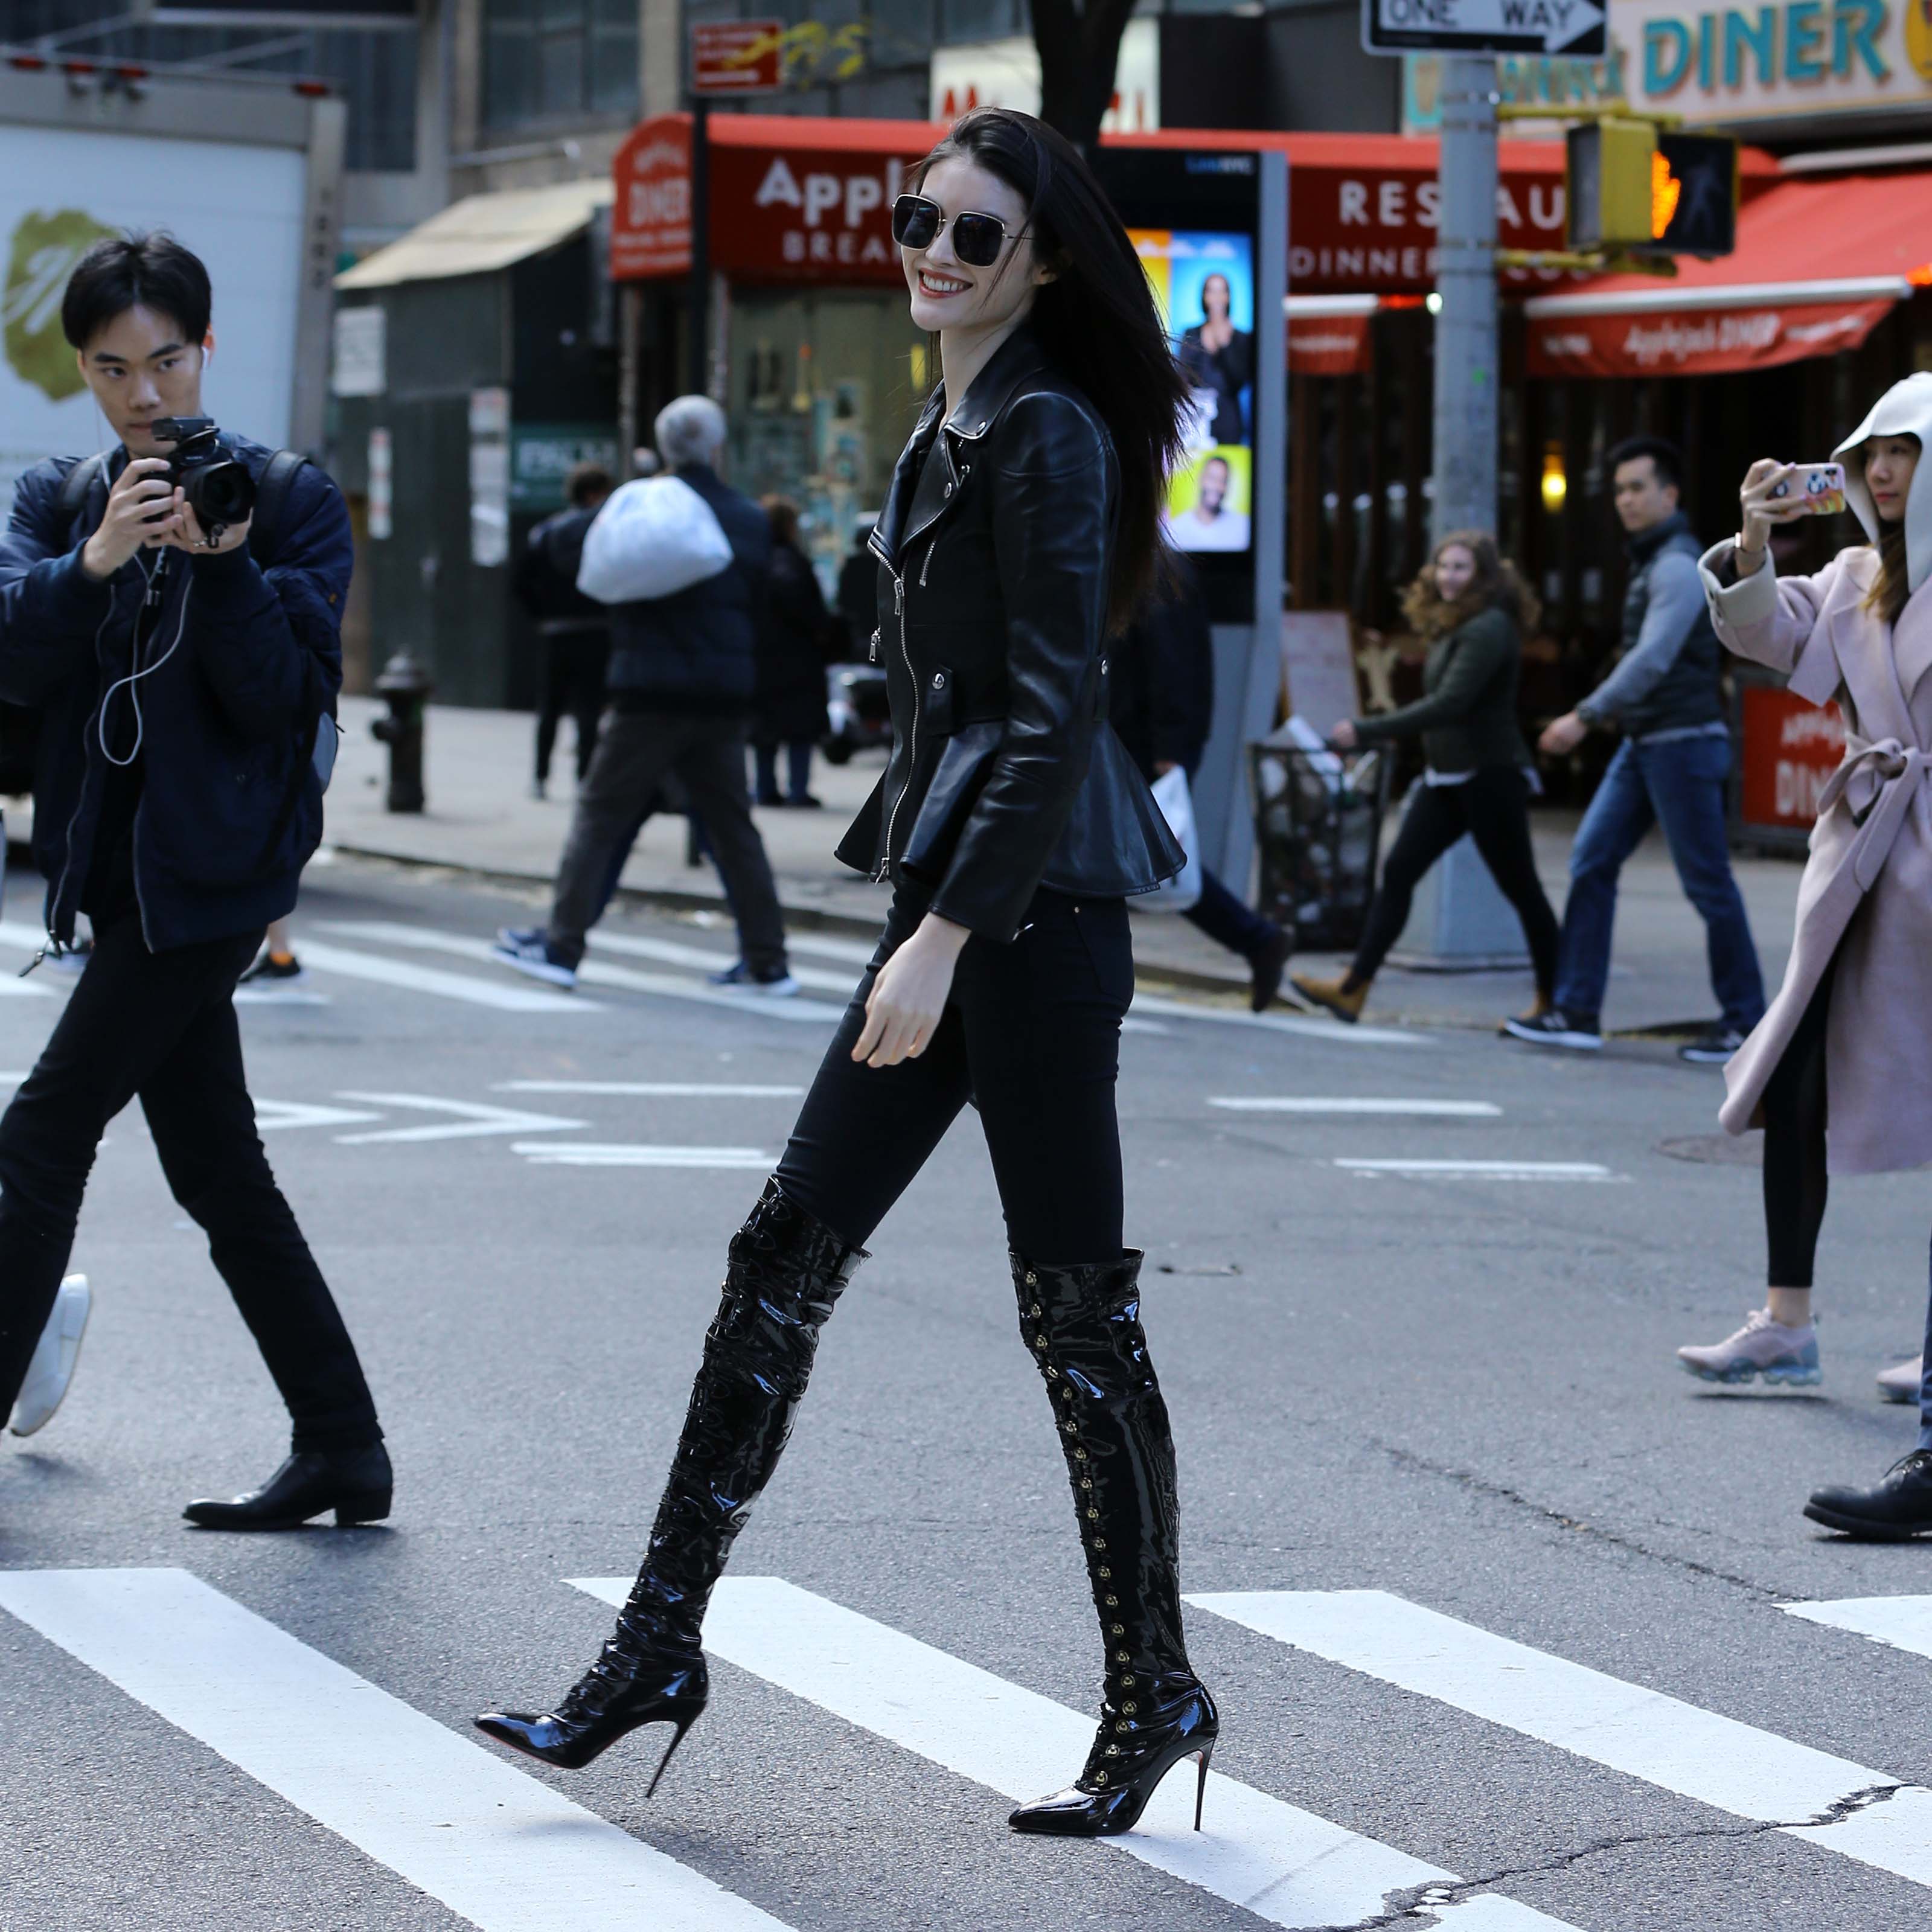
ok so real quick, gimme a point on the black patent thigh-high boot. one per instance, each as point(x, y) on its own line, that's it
point(1083, 1325)
point(786, 1271)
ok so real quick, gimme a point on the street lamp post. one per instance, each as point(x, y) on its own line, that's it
point(1466, 281)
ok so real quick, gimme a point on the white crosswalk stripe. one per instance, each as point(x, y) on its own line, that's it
point(591, 972)
point(474, 1119)
point(1483, 1170)
point(453, 1818)
point(636, 1154)
point(505, 998)
point(674, 952)
point(665, 1090)
point(1333, 1031)
point(1285, 1865)
point(1869, 1816)
point(1299, 1103)
point(1904, 1623)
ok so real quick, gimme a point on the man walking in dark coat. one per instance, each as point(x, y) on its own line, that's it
point(575, 628)
point(681, 690)
point(1163, 705)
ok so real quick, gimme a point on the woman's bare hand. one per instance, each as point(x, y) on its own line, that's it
point(1343, 737)
point(908, 996)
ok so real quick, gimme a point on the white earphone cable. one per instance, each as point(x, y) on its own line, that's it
point(134, 677)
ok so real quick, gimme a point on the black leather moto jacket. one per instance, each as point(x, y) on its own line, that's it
point(994, 548)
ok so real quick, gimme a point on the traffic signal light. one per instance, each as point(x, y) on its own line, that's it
point(1630, 188)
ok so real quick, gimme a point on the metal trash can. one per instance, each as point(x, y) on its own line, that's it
point(1318, 829)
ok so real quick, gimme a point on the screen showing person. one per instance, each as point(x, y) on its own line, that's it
point(1203, 283)
point(1208, 503)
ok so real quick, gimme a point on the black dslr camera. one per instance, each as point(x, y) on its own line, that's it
point(219, 490)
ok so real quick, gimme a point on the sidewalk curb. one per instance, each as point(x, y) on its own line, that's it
point(813, 919)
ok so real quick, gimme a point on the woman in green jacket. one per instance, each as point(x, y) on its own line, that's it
point(1471, 605)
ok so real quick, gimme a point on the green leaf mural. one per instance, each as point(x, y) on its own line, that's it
point(46, 249)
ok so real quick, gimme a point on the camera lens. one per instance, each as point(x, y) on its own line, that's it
point(220, 493)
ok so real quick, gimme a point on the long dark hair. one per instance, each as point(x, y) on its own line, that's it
point(1892, 585)
point(1496, 586)
point(1095, 320)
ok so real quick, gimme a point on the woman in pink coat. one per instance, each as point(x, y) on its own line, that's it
point(1853, 1020)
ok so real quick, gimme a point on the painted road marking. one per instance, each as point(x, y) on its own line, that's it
point(634, 1153)
point(505, 999)
point(1905, 1623)
point(383, 932)
point(1483, 1110)
point(1718, 1761)
point(664, 1089)
point(674, 952)
point(1284, 1864)
point(1487, 1170)
point(474, 1119)
point(271, 1114)
point(452, 1818)
point(1331, 1031)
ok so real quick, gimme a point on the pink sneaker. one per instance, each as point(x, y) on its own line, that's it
point(1761, 1347)
point(1900, 1383)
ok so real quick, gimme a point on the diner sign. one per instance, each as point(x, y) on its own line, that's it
point(1751, 62)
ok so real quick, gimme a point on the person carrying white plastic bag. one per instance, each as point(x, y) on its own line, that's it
point(1182, 893)
point(653, 537)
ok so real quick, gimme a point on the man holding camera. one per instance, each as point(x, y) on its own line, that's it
point(183, 663)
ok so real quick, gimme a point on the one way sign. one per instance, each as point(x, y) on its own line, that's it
point(1574, 27)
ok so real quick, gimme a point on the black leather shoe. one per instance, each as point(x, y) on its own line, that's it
point(1898, 1507)
point(1266, 965)
point(354, 1484)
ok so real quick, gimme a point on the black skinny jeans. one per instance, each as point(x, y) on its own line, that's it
point(1796, 1178)
point(162, 1025)
point(1031, 1037)
point(1492, 806)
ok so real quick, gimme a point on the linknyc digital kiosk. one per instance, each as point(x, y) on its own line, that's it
point(1211, 227)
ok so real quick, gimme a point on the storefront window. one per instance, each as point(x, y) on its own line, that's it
point(824, 390)
point(549, 59)
point(981, 19)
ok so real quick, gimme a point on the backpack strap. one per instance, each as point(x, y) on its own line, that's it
point(77, 486)
point(271, 494)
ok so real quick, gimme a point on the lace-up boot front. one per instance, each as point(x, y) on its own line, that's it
point(1082, 1324)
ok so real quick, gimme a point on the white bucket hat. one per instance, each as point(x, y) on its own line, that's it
point(1904, 410)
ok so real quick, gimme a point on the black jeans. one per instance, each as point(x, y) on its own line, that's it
point(161, 1025)
point(1796, 1179)
point(1031, 1036)
point(636, 750)
point(573, 681)
point(1492, 806)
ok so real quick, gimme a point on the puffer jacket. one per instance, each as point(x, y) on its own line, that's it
point(231, 803)
point(994, 549)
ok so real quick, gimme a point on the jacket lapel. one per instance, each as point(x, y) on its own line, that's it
point(889, 534)
point(1017, 358)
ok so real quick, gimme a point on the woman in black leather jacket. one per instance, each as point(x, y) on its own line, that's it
point(1021, 532)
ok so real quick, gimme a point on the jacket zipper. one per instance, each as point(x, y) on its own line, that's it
point(912, 753)
point(86, 771)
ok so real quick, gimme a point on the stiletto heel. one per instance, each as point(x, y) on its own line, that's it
point(677, 1736)
point(1201, 1789)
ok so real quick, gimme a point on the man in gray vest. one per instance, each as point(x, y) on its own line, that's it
point(1671, 770)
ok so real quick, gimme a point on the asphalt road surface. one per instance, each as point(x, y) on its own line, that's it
point(1513, 1624)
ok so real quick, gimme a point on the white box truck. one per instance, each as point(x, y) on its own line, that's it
point(246, 173)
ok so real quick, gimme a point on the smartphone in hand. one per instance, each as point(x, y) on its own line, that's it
point(1819, 486)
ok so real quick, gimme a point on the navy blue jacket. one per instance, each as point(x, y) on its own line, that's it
point(230, 807)
point(698, 651)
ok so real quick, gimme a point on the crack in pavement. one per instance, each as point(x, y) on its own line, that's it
point(1408, 1459)
point(1420, 1905)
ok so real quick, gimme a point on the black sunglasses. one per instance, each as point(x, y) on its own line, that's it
point(977, 239)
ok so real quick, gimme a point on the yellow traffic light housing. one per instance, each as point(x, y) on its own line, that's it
point(1611, 183)
point(1632, 187)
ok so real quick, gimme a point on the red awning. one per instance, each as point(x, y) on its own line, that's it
point(1817, 265)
